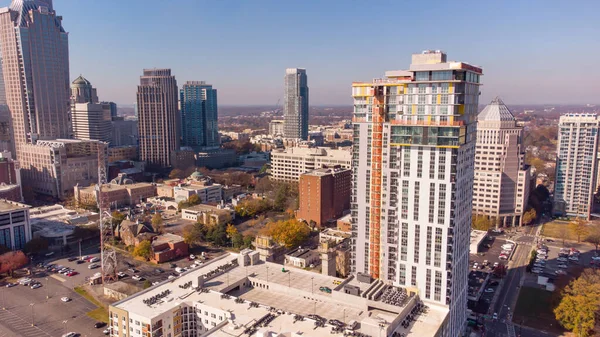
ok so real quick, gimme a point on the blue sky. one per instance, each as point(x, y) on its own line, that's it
point(531, 51)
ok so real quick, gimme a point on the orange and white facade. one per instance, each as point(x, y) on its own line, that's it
point(413, 164)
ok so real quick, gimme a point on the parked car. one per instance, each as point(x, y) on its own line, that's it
point(493, 283)
point(562, 259)
point(99, 325)
point(72, 273)
point(573, 258)
point(93, 266)
point(10, 285)
point(49, 254)
point(503, 257)
point(562, 266)
point(133, 270)
point(36, 285)
point(121, 274)
point(596, 258)
point(474, 265)
point(496, 264)
point(80, 261)
point(536, 271)
point(65, 299)
point(70, 334)
point(192, 257)
point(137, 277)
point(72, 258)
point(495, 315)
point(95, 259)
point(560, 272)
point(85, 257)
point(489, 290)
point(106, 331)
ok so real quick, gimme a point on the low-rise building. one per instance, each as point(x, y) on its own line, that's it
point(208, 214)
point(324, 194)
point(344, 223)
point(127, 152)
point(132, 233)
point(302, 258)
point(236, 294)
point(10, 178)
point(230, 191)
point(120, 195)
point(167, 247)
point(15, 228)
point(289, 164)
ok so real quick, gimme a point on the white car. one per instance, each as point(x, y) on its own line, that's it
point(25, 281)
point(495, 316)
point(93, 265)
point(170, 277)
point(560, 272)
point(475, 265)
point(106, 331)
point(65, 299)
point(562, 259)
point(489, 290)
point(192, 257)
point(562, 266)
point(496, 264)
point(121, 274)
point(573, 258)
point(95, 259)
point(596, 258)
point(503, 257)
point(36, 285)
point(136, 277)
point(69, 334)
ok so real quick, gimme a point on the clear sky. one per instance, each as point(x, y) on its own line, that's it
point(531, 51)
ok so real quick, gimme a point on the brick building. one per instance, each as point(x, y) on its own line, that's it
point(167, 247)
point(324, 194)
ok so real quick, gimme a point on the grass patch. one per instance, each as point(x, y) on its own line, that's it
point(100, 313)
point(555, 230)
point(534, 309)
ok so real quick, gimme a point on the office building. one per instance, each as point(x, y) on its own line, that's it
point(240, 295)
point(113, 109)
point(288, 164)
point(276, 127)
point(10, 178)
point(295, 104)
point(91, 120)
point(576, 164)
point(124, 132)
point(413, 162)
point(199, 114)
point(158, 118)
point(35, 67)
point(324, 194)
point(501, 182)
point(15, 228)
point(117, 193)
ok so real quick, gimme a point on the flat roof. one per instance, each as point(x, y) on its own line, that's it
point(8, 205)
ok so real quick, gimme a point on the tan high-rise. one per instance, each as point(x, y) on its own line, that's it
point(35, 67)
point(501, 182)
point(158, 117)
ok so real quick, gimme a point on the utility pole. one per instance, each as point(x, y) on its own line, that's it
point(80, 249)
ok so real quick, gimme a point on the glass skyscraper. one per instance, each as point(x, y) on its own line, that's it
point(295, 104)
point(199, 114)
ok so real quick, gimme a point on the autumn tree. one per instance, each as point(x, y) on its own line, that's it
point(529, 216)
point(194, 234)
point(117, 218)
point(481, 222)
point(193, 200)
point(11, 261)
point(231, 230)
point(579, 228)
point(563, 233)
point(594, 234)
point(177, 174)
point(263, 185)
point(143, 250)
point(289, 233)
point(580, 303)
point(157, 223)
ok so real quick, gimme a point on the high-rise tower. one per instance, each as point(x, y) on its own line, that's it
point(35, 69)
point(413, 153)
point(295, 104)
point(501, 181)
point(576, 164)
point(158, 116)
point(199, 114)
point(91, 120)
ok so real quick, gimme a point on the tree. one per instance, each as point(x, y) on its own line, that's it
point(289, 233)
point(249, 241)
point(144, 250)
point(194, 199)
point(147, 284)
point(157, 223)
point(231, 230)
point(538, 164)
point(117, 218)
point(194, 234)
point(529, 216)
point(177, 174)
point(36, 245)
point(563, 233)
point(217, 234)
point(579, 228)
point(182, 204)
point(580, 303)
point(237, 240)
point(594, 234)
point(481, 222)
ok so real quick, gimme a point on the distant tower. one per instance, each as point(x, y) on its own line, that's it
point(501, 181)
point(158, 116)
point(91, 120)
point(199, 114)
point(295, 104)
point(576, 164)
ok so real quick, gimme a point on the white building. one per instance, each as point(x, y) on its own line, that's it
point(289, 164)
point(413, 163)
point(576, 164)
point(276, 127)
point(206, 193)
point(15, 228)
point(501, 185)
point(233, 295)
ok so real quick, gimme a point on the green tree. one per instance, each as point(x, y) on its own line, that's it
point(36, 245)
point(579, 227)
point(147, 284)
point(117, 218)
point(481, 222)
point(580, 303)
point(157, 223)
point(182, 204)
point(194, 199)
point(217, 234)
point(144, 250)
point(194, 234)
point(237, 240)
point(249, 241)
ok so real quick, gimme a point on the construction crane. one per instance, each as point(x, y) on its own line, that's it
point(108, 255)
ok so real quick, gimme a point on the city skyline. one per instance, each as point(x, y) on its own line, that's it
point(247, 68)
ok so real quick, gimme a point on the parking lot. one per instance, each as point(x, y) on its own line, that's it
point(50, 316)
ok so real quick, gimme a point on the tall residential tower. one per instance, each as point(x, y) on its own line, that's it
point(413, 153)
point(295, 104)
point(158, 116)
point(576, 164)
point(501, 184)
point(199, 115)
point(35, 69)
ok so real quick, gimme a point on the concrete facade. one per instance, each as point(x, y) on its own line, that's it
point(289, 164)
point(295, 104)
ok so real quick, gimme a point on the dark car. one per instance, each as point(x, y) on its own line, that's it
point(173, 265)
point(493, 283)
point(80, 261)
point(158, 271)
point(71, 259)
point(98, 325)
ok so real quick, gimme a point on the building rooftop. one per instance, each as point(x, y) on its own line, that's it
point(326, 171)
point(166, 238)
point(8, 205)
point(292, 292)
point(207, 208)
point(496, 111)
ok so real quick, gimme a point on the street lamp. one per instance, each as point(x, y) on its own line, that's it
point(47, 294)
point(65, 323)
point(312, 285)
point(31, 305)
